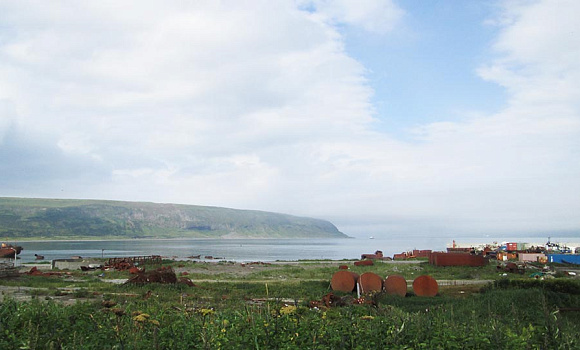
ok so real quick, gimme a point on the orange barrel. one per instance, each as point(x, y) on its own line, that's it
point(396, 284)
point(425, 286)
point(370, 282)
point(343, 281)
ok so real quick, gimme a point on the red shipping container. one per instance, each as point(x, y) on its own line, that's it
point(456, 259)
point(421, 253)
point(512, 246)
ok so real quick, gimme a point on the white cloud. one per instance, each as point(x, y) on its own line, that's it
point(258, 105)
point(378, 16)
point(180, 87)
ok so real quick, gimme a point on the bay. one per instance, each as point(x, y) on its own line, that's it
point(240, 250)
point(246, 250)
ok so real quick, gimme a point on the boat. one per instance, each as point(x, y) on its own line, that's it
point(9, 251)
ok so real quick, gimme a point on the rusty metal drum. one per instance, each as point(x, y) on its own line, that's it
point(425, 286)
point(396, 285)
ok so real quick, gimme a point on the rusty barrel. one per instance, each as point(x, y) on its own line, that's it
point(370, 282)
point(343, 281)
point(396, 284)
point(425, 286)
point(363, 263)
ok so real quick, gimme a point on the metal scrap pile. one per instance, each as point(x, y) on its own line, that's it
point(120, 264)
point(164, 275)
point(127, 263)
point(34, 271)
point(512, 267)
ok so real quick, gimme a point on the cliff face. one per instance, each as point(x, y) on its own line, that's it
point(61, 218)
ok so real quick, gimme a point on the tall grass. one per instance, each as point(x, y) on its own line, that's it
point(174, 317)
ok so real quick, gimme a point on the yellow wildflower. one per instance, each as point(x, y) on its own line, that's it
point(139, 318)
point(206, 312)
point(288, 309)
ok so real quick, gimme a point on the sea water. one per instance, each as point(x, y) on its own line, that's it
point(246, 250)
point(242, 250)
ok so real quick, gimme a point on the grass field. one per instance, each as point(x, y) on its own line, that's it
point(269, 306)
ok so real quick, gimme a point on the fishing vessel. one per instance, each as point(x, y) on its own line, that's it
point(9, 251)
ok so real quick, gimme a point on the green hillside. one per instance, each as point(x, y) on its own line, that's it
point(23, 218)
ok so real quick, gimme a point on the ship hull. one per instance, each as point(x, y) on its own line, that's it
point(9, 251)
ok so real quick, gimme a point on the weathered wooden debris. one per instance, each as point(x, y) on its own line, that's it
point(331, 300)
point(8, 270)
point(164, 275)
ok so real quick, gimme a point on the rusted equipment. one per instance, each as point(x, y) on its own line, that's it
point(137, 260)
point(125, 263)
point(456, 259)
point(343, 281)
point(396, 285)
point(370, 282)
point(402, 256)
point(162, 275)
point(421, 253)
point(512, 267)
point(377, 255)
point(364, 263)
point(135, 270)
point(330, 300)
point(343, 267)
point(425, 286)
point(34, 271)
point(459, 250)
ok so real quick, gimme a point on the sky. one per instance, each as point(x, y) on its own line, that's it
point(385, 117)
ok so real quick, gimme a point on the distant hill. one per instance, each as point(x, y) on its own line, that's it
point(22, 218)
